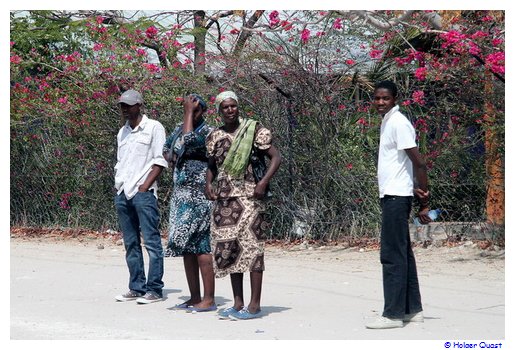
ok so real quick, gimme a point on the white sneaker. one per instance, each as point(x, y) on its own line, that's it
point(130, 295)
point(148, 298)
point(384, 323)
point(414, 317)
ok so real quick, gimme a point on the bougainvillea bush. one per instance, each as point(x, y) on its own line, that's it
point(307, 75)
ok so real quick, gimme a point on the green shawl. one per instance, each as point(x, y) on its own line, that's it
point(237, 157)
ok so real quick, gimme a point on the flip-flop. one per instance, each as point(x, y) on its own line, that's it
point(201, 309)
point(183, 306)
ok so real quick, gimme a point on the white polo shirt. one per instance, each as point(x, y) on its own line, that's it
point(394, 168)
point(138, 150)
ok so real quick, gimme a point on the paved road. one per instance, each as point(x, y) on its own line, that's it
point(65, 290)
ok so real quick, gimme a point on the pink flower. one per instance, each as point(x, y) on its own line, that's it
point(337, 24)
point(286, 25)
point(376, 53)
point(274, 18)
point(234, 31)
point(406, 103)
point(474, 49)
point(63, 100)
point(341, 107)
point(421, 73)
point(152, 68)
point(349, 62)
point(349, 166)
point(362, 121)
point(98, 47)
point(319, 34)
point(305, 35)
point(495, 62)
point(151, 32)
point(418, 97)
point(479, 34)
point(100, 19)
point(497, 42)
point(15, 59)
point(454, 39)
point(141, 52)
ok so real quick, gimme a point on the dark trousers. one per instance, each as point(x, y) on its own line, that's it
point(400, 281)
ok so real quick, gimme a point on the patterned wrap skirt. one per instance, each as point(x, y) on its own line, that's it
point(238, 233)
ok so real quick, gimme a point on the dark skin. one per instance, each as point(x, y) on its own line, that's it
point(383, 102)
point(133, 115)
point(230, 117)
point(193, 263)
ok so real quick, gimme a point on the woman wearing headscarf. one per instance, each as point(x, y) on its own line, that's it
point(189, 232)
point(238, 222)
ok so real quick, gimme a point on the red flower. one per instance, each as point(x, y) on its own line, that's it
point(151, 32)
point(376, 53)
point(274, 18)
point(337, 24)
point(305, 35)
point(15, 59)
point(418, 97)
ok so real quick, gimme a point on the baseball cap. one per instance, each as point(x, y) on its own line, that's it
point(131, 97)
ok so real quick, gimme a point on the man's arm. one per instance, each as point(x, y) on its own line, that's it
point(152, 176)
point(421, 183)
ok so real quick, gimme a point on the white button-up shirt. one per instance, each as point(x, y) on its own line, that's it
point(138, 150)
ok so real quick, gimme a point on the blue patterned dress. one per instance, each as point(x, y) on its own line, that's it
point(190, 211)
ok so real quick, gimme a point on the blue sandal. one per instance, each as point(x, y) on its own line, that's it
point(201, 309)
point(183, 306)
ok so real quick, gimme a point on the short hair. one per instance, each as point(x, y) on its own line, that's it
point(388, 85)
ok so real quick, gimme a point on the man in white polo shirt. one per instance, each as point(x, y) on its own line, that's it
point(139, 163)
point(399, 162)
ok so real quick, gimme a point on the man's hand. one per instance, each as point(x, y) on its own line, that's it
point(423, 215)
point(422, 195)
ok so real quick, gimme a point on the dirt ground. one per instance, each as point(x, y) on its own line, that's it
point(64, 288)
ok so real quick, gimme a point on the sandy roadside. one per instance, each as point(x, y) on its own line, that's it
point(64, 289)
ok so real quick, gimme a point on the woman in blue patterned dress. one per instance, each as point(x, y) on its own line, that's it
point(189, 234)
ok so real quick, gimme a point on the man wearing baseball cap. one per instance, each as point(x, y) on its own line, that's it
point(139, 163)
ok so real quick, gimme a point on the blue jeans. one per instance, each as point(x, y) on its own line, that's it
point(400, 281)
point(137, 214)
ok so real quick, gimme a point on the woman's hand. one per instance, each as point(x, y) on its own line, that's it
point(260, 190)
point(210, 193)
point(190, 104)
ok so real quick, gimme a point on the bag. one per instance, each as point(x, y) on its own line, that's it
point(257, 161)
